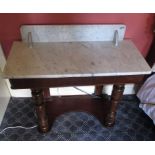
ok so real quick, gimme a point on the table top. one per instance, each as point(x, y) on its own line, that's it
point(74, 59)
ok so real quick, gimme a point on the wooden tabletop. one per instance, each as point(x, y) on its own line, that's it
point(74, 59)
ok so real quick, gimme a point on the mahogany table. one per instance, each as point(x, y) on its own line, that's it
point(65, 64)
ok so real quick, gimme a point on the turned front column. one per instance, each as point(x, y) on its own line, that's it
point(98, 90)
point(116, 96)
point(37, 95)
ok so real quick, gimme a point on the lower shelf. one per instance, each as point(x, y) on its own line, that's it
point(81, 103)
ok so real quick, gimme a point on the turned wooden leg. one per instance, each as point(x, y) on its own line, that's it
point(116, 96)
point(98, 90)
point(37, 94)
point(46, 92)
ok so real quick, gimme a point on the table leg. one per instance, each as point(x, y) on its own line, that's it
point(116, 96)
point(46, 92)
point(37, 94)
point(98, 90)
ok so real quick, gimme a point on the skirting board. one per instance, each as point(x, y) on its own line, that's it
point(129, 89)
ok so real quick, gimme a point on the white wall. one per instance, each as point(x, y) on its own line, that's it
point(4, 91)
